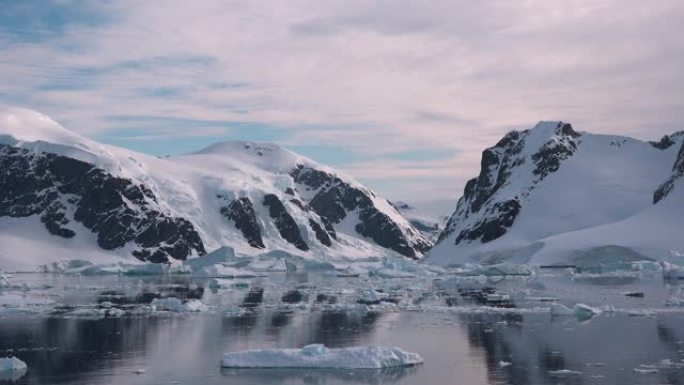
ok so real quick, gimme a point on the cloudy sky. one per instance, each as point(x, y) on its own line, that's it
point(404, 95)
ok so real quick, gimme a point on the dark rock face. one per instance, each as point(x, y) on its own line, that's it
point(284, 222)
point(116, 209)
point(321, 234)
point(336, 198)
point(664, 143)
point(677, 173)
point(496, 168)
point(502, 215)
point(241, 212)
point(550, 156)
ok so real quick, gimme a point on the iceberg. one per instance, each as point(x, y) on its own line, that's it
point(320, 356)
point(12, 368)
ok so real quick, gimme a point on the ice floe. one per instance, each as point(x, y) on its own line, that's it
point(319, 356)
point(12, 368)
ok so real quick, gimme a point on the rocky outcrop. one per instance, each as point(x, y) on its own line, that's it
point(500, 216)
point(334, 199)
point(241, 212)
point(479, 215)
point(677, 172)
point(321, 234)
point(61, 190)
point(286, 225)
point(664, 143)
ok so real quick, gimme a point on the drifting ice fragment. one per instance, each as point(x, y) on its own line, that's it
point(584, 312)
point(12, 368)
point(4, 282)
point(175, 305)
point(564, 373)
point(581, 311)
point(319, 356)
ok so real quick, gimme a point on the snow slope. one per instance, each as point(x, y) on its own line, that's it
point(551, 195)
point(254, 197)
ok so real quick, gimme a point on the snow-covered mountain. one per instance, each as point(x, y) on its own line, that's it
point(428, 226)
point(64, 196)
point(553, 195)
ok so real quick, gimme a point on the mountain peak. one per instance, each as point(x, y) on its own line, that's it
point(24, 125)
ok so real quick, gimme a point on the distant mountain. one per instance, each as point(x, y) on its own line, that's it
point(554, 195)
point(428, 226)
point(65, 196)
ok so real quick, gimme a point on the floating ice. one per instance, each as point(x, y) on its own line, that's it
point(503, 364)
point(319, 356)
point(501, 269)
point(371, 297)
point(4, 282)
point(390, 273)
point(223, 263)
point(564, 373)
point(581, 311)
point(12, 368)
point(585, 312)
point(175, 305)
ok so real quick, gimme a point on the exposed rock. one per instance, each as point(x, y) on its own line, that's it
point(664, 143)
point(500, 217)
point(116, 209)
point(241, 211)
point(284, 222)
point(552, 153)
point(677, 173)
point(334, 199)
point(321, 234)
point(496, 168)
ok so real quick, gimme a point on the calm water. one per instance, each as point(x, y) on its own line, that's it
point(460, 345)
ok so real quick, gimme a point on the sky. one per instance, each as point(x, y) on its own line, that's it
point(403, 95)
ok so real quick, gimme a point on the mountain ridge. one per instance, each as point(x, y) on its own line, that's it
point(251, 196)
point(536, 185)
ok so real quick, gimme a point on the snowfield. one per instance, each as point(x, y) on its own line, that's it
point(319, 356)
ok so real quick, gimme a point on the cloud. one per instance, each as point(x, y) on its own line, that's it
point(373, 79)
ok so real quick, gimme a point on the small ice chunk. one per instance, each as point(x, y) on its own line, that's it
point(503, 364)
point(559, 309)
point(564, 373)
point(234, 311)
point(175, 305)
point(314, 350)
point(585, 312)
point(581, 311)
point(195, 305)
point(170, 304)
point(390, 273)
point(12, 368)
point(4, 282)
point(645, 370)
point(501, 269)
point(319, 356)
point(371, 297)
